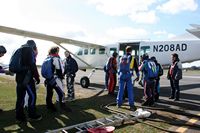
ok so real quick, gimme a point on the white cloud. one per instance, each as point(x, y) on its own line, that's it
point(171, 35)
point(126, 33)
point(137, 10)
point(144, 17)
point(161, 32)
point(176, 6)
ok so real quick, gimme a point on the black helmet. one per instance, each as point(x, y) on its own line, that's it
point(153, 58)
point(115, 54)
point(145, 56)
point(31, 44)
point(2, 50)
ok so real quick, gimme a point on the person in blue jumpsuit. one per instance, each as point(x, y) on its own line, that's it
point(125, 80)
point(133, 67)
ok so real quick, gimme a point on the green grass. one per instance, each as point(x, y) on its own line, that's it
point(84, 109)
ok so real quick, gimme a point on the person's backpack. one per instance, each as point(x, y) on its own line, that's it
point(47, 69)
point(15, 64)
point(151, 69)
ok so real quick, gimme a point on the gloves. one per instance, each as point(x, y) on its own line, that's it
point(7, 72)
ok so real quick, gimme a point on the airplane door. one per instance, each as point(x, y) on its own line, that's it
point(134, 46)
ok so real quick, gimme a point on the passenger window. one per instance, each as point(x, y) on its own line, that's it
point(102, 51)
point(112, 50)
point(92, 51)
point(85, 51)
point(80, 52)
point(144, 49)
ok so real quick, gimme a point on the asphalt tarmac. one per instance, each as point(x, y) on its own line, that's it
point(189, 96)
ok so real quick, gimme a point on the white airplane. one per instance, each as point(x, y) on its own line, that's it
point(95, 56)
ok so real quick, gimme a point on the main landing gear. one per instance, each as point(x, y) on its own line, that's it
point(85, 81)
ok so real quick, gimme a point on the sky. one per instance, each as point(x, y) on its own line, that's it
point(97, 21)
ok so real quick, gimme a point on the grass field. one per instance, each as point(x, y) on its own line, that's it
point(85, 108)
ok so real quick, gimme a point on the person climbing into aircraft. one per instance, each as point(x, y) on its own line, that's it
point(112, 69)
point(53, 71)
point(25, 79)
point(148, 67)
point(175, 75)
point(157, 80)
point(70, 69)
point(125, 79)
point(133, 67)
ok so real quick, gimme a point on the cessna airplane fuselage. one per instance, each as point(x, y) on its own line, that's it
point(95, 56)
point(162, 50)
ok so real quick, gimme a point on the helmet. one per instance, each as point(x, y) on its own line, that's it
point(145, 56)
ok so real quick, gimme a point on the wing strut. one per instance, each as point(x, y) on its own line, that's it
point(74, 55)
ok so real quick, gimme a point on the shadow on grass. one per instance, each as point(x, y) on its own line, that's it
point(81, 109)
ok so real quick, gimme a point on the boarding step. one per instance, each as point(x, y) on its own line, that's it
point(112, 120)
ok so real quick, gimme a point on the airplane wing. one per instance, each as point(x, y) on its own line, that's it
point(195, 26)
point(195, 31)
point(57, 40)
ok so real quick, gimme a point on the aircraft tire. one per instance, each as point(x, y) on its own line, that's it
point(85, 82)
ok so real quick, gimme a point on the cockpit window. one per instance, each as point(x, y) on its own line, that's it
point(80, 52)
point(102, 51)
point(92, 51)
point(85, 51)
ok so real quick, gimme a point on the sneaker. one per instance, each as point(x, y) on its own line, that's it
point(171, 97)
point(146, 102)
point(70, 99)
point(133, 108)
point(176, 99)
point(118, 106)
point(35, 117)
point(64, 107)
point(151, 102)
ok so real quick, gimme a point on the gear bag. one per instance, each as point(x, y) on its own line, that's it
point(151, 70)
point(47, 68)
point(15, 64)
